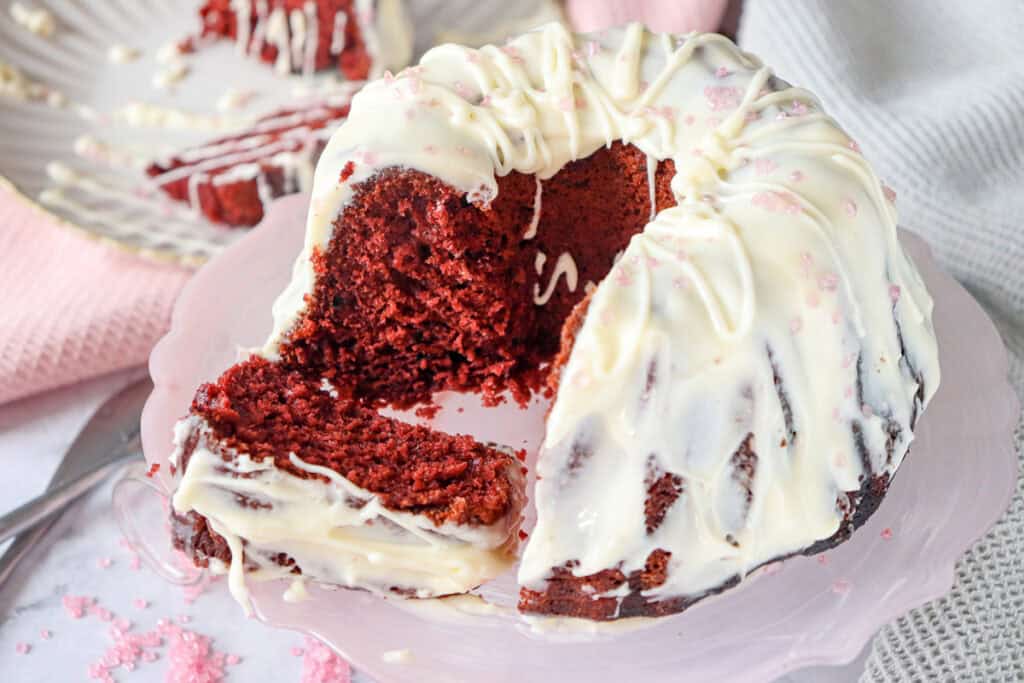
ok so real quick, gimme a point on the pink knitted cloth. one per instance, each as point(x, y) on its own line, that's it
point(71, 308)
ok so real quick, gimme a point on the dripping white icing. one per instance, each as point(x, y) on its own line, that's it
point(748, 278)
point(531, 230)
point(335, 531)
point(565, 265)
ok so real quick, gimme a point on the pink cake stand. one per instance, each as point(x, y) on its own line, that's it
point(956, 482)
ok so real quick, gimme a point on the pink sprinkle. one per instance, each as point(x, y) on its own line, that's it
point(689, 120)
point(184, 619)
point(22, 648)
point(806, 263)
point(297, 652)
point(232, 659)
point(823, 559)
point(323, 665)
point(461, 90)
point(140, 603)
point(850, 207)
point(828, 282)
point(848, 361)
point(867, 411)
point(796, 176)
point(841, 587)
point(887, 534)
point(889, 193)
point(45, 634)
point(722, 72)
point(513, 54)
point(894, 293)
point(123, 624)
point(486, 101)
point(777, 202)
point(852, 144)
point(104, 563)
point(799, 108)
point(722, 98)
point(76, 606)
point(135, 563)
point(848, 393)
point(795, 325)
point(764, 166)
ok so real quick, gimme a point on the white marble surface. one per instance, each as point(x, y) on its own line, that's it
point(34, 434)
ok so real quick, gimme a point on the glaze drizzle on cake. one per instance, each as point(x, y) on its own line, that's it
point(740, 386)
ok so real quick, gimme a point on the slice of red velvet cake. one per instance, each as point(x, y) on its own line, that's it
point(697, 261)
point(357, 39)
point(231, 180)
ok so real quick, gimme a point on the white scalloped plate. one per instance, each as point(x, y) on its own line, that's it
point(956, 482)
point(125, 211)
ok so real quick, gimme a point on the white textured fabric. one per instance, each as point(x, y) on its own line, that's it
point(934, 93)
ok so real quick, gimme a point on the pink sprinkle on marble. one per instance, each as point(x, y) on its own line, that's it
point(104, 563)
point(722, 72)
point(777, 202)
point(461, 90)
point(841, 587)
point(848, 361)
point(232, 659)
point(722, 98)
point(850, 207)
point(795, 325)
point(852, 144)
point(764, 166)
point(822, 559)
point(796, 176)
point(828, 282)
point(623, 276)
point(894, 293)
point(45, 634)
point(135, 563)
point(886, 534)
point(76, 606)
point(297, 652)
point(799, 108)
point(889, 193)
point(22, 648)
point(140, 603)
point(323, 665)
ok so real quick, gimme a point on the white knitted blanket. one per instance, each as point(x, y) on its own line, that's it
point(933, 91)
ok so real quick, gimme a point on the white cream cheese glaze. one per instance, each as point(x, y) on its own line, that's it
point(337, 532)
point(780, 262)
point(384, 25)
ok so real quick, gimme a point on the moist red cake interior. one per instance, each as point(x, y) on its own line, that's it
point(420, 290)
point(219, 19)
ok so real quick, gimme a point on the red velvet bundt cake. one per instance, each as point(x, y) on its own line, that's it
point(359, 39)
point(231, 179)
point(686, 252)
